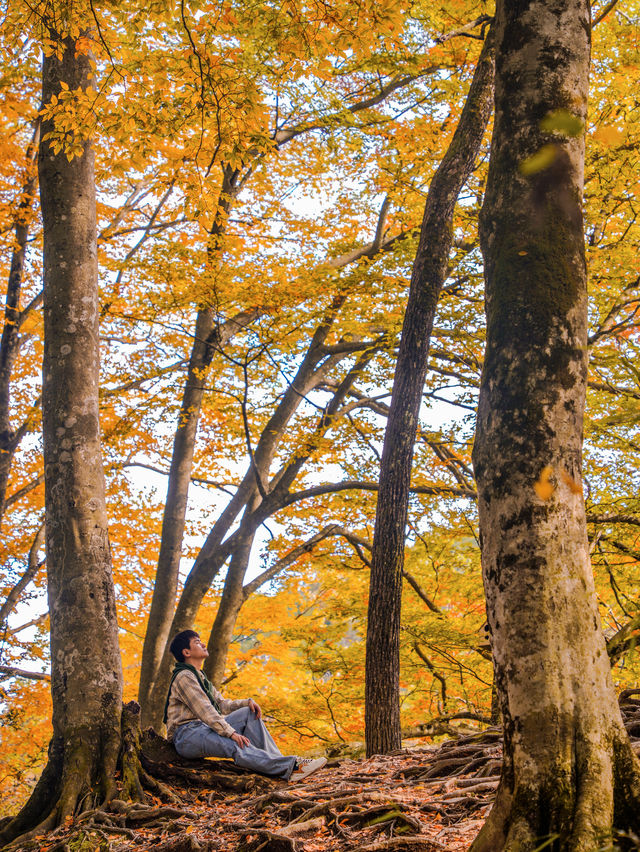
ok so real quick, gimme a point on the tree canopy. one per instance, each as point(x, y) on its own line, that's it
point(261, 175)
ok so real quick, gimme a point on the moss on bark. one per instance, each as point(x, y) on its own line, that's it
point(569, 773)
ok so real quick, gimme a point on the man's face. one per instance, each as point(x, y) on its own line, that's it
point(197, 650)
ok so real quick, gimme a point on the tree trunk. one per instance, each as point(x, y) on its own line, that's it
point(382, 678)
point(156, 662)
point(10, 341)
point(208, 337)
point(219, 544)
point(230, 605)
point(85, 660)
point(569, 773)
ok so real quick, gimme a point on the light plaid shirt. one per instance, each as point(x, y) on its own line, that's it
point(188, 702)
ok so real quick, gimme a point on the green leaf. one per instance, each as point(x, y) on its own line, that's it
point(564, 122)
point(539, 161)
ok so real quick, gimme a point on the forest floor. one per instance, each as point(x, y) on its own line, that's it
point(426, 798)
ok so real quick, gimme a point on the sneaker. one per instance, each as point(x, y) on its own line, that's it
point(306, 766)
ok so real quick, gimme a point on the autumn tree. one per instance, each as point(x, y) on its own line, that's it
point(569, 773)
point(86, 670)
point(168, 130)
point(359, 94)
point(382, 711)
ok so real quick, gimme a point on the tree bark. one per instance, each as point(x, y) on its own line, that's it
point(10, 341)
point(85, 659)
point(382, 677)
point(208, 337)
point(230, 604)
point(219, 545)
point(569, 773)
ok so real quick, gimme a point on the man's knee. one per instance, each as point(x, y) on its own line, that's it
point(239, 719)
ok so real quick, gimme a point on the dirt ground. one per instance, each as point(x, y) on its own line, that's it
point(426, 798)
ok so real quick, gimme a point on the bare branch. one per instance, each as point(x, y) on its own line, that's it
point(382, 217)
point(144, 237)
point(28, 309)
point(592, 518)
point(22, 492)
point(33, 623)
point(363, 485)
point(32, 569)
point(436, 674)
point(623, 548)
point(291, 557)
point(624, 640)
point(11, 671)
point(398, 82)
point(466, 30)
point(603, 14)
point(607, 387)
point(420, 592)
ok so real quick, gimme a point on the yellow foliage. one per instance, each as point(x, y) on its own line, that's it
point(545, 485)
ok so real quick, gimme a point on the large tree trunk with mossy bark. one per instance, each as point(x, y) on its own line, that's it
point(382, 679)
point(569, 773)
point(86, 675)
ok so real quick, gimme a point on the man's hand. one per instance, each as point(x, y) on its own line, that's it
point(240, 740)
point(255, 708)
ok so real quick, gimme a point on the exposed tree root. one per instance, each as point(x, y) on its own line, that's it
point(79, 773)
point(419, 843)
point(407, 801)
point(531, 812)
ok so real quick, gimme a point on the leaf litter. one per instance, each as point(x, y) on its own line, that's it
point(427, 798)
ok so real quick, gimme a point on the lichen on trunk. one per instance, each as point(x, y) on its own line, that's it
point(86, 675)
point(569, 773)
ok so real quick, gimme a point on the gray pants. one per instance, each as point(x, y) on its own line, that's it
point(195, 739)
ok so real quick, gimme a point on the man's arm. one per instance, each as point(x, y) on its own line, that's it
point(188, 690)
point(228, 705)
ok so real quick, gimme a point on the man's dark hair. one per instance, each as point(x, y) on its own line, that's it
point(180, 643)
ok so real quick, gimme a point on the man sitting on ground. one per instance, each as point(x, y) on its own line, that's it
point(202, 723)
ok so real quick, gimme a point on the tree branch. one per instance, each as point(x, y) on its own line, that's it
point(592, 518)
point(289, 558)
point(466, 29)
point(603, 14)
point(417, 588)
point(22, 492)
point(11, 671)
point(624, 640)
point(436, 674)
point(364, 485)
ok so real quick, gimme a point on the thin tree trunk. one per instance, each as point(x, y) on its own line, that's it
point(569, 773)
point(213, 554)
point(208, 338)
point(85, 659)
point(382, 676)
point(151, 692)
point(230, 604)
point(218, 548)
point(9, 343)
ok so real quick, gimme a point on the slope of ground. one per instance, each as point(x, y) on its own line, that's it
point(428, 798)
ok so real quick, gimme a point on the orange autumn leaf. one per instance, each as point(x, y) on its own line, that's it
point(544, 487)
point(573, 486)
